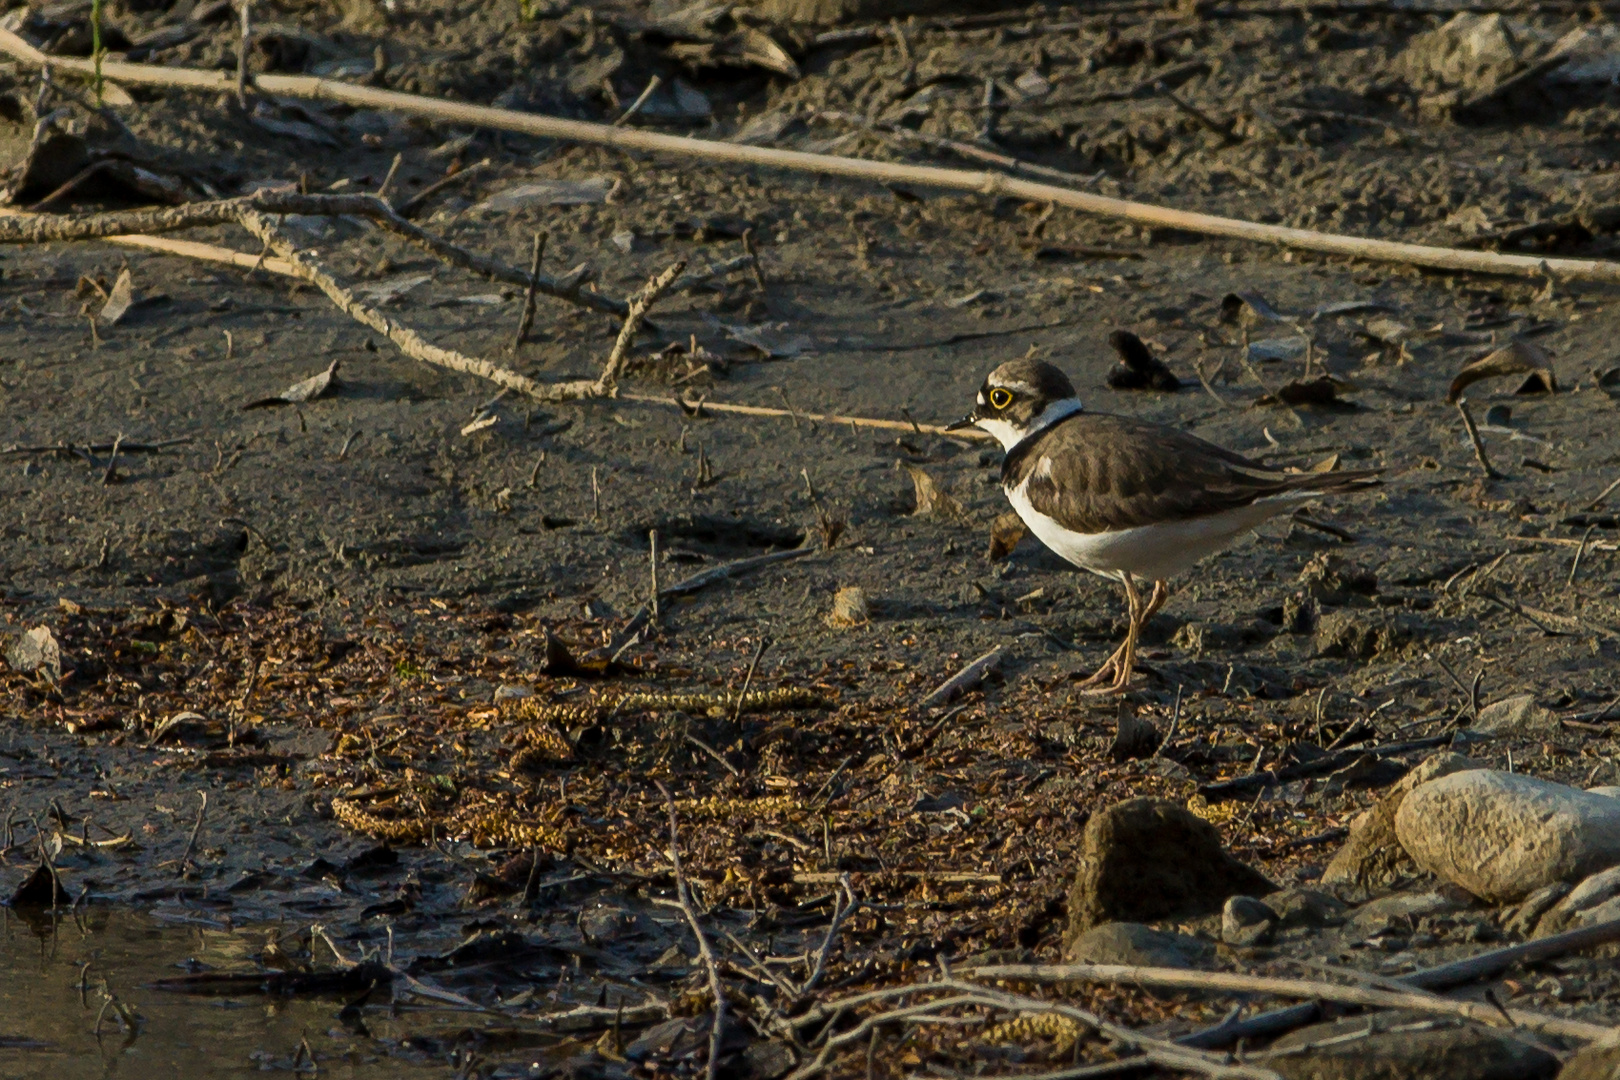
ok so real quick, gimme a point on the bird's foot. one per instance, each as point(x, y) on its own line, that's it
point(1107, 678)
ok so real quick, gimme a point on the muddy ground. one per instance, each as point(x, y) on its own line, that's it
point(337, 589)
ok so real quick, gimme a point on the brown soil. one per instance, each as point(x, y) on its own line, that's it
point(338, 588)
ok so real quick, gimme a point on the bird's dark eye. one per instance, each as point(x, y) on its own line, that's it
point(1000, 398)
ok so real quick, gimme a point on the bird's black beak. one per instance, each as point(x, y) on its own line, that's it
point(966, 422)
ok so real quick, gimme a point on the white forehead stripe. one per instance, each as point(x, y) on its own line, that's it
point(1017, 387)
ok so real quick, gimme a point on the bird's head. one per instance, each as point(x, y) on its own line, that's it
point(1019, 398)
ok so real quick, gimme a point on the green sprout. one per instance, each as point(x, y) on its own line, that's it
point(95, 43)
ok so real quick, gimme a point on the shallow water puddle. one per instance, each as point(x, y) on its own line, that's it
point(56, 973)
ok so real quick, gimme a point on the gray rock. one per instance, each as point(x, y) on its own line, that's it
point(1372, 857)
point(1246, 921)
point(1406, 1046)
point(1611, 790)
point(504, 693)
point(1502, 836)
point(1305, 907)
point(36, 651)
point(1153, 859)
point(1517, 715)
point(1403, 909)
point(1138, 945)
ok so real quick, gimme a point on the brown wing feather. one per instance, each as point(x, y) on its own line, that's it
point(1118, 473)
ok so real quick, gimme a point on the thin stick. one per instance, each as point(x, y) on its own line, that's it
point(191, 845)
point(652, 548)
point(596, 495)
point(896, 133)
point(712, 752)
point(742, 695)
point(635, 106)
point(985, 183)
point(1575, 566)
point(1606, 492)
point(388, 180)
point(606, 384)
point(966, 679)
point(835, 418)
point(410, 206)
point(1473, 437)
point(1296, 988)
point(246, 10)
point(17, 227)
point(841, 913)
point(526, 323)
point(753, 259)
point(409, 341)
point(683, 897)
point(112, 468)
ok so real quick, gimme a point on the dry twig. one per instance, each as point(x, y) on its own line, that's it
point(1298, 988)
point(986, 183)
point(683, 901)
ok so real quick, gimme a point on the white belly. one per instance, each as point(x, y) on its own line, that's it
point(1153, 552)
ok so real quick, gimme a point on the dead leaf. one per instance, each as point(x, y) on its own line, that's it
point(1385, 331)
point(747, 47)
point(595, 189)
point(1138, 368)
point(316, 386)
point(932, 500)
point(772, 339)
point(1321, 391)
point(1005, 532)
point(40, 889)
point(1514, 358)
point(125, 300)
point(36, 651)
point(1247, 309)
point(390, 290)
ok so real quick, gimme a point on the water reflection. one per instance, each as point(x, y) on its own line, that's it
point(76, 1001)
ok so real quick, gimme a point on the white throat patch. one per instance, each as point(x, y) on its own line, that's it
point(1010, 436)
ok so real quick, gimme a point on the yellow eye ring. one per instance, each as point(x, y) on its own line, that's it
point(1000, 398)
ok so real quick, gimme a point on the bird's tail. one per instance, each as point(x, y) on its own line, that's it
point(1332, 483)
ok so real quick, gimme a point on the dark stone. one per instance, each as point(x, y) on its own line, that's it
point(1246, 922)
point(767, 1060)
point(1152, 859)
point(1404, 1045)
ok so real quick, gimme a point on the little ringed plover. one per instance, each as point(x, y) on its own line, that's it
point(1125, 498)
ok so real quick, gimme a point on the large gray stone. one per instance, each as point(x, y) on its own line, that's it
point(1407, 1046)
point(1372, 858)
point(1502, 836)
point(1137, 945)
